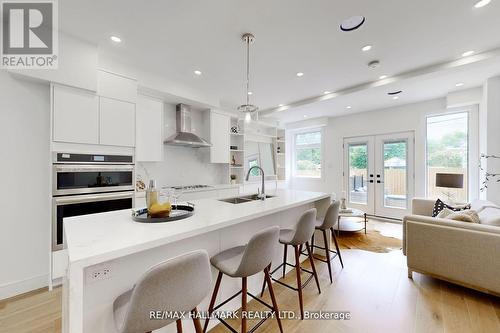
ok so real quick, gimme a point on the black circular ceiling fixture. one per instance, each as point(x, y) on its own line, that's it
point(352, 23)
point(392, 93)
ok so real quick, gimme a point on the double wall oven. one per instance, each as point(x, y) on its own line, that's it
point(87, 184)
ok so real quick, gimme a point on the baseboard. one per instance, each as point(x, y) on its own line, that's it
point(23, 286)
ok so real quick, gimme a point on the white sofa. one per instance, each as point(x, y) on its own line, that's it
point(464, 253)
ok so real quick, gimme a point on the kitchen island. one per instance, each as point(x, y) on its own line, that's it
point(108, 252)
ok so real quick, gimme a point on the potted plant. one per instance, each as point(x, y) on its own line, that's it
point(233, 179)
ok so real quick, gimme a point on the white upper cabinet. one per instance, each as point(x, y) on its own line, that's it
point(149, 130)
point(116, 86)
point(75, 115)
point(219, 137)
point(117, 122)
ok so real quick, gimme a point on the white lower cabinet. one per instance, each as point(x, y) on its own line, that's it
point(59, 263)
point(117, 122)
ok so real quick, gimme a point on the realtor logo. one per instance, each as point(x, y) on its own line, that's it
point(29, 34)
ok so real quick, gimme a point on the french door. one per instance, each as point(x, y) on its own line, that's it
point(379, 173)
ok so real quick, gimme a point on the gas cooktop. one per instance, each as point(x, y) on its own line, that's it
point(190, 187)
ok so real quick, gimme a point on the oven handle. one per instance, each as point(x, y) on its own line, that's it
point(90, 198)
point(85, 168)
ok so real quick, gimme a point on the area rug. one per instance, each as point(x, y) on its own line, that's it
point(373, 241)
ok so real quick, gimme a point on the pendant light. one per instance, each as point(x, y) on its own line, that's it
point(248, 109)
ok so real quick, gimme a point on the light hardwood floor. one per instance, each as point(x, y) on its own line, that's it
point(373, 286)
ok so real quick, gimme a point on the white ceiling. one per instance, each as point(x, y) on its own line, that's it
point(173, 38)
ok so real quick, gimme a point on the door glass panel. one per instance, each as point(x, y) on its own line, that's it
point(358, 173)
point(395, 174)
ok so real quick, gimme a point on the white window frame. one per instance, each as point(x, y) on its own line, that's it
point(294, 151)
point(472, 148)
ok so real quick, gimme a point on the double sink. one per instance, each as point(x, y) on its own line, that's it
point(243, 199)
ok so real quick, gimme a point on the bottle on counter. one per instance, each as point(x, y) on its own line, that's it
point(151, 194)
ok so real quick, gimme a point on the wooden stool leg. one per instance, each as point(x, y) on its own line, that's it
point(284, 259)
point(273, 298)
point(178, 322)
point(212, 301)
point(327, 250)
point(299, 282)
point(337, 247)
point(196, 321)
point(311, 259)
point(243, 305)
point(264, 282)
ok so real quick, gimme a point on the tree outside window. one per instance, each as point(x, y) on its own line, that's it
point(308, 154)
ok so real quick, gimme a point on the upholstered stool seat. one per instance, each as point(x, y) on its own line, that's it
point(176, 285)
point(298, 237)
point(243, 262)
point(325, 225)
point(229, 260)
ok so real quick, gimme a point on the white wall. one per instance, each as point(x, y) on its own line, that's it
point(25, 196)
point(184, 165)
point(410, 117)
point(491, 125)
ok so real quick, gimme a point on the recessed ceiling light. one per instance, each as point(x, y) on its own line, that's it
point(115, 39)
point(366, 48)
point(395, 97)
point(197, 72)
point(305, 116)
point(327, 92)
point(348, 107)
point(299, 74)
point(468, 53)
point(280, 105)
point(481, 3)
point(352, 23)
point(381, 77)
point(250, 93)
point(459, 84)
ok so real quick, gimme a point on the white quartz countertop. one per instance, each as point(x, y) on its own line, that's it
point(96, 238)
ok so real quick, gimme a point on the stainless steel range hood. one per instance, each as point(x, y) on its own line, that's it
point(184, 136)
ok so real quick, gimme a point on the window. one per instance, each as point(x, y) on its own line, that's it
point(448, 152)
point(307, 154)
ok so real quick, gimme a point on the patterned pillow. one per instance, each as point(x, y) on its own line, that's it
point(439, 206)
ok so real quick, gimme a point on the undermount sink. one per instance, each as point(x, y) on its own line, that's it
point(243, 199)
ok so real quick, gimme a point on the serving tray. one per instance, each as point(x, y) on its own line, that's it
point(178, 212)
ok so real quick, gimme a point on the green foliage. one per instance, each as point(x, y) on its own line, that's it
point(308, 157)
point(305, 165)
point(450, 151)
point(358, 157)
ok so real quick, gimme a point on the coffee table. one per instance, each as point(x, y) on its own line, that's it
point(351, 225)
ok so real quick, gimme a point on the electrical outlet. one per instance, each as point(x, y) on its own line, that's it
point(98, 272)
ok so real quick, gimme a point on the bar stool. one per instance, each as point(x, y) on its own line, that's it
point(242, 262)
point(331, 218)
point(178, 284)
point(298, 237)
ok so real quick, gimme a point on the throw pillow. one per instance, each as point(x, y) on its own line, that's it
point(444, 213)
point(464, 216)
point(440, 205)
